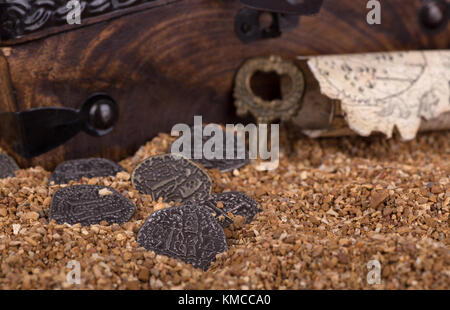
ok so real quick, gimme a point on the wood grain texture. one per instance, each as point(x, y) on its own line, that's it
point(165, 65)
point(7, 104)
point(7, 101)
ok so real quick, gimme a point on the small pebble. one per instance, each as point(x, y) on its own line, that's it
point(7, 166)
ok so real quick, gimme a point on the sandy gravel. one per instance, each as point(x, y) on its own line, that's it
point(332, 206)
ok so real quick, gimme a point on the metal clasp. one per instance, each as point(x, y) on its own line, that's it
point(266, 19)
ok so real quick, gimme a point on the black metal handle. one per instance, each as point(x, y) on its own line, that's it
point(434, 15)
point(36, 131)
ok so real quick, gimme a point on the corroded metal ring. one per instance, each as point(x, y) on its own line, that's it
point(266, 111)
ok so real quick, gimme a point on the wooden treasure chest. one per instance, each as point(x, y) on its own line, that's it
point(129, 69)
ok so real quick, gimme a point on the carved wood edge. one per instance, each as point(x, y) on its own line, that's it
point(49, 30)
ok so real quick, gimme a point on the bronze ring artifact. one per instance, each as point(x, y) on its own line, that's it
point(266, 111)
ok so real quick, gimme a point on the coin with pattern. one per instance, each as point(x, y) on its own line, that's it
point(223, 164)
point(172, 178)
point(73, 170)
point(90, 204)
point(238, 204)
point(189, 233)
point(232, 204)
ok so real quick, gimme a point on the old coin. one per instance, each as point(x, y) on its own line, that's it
point(189, 233)
point(223, 164)
point(224, 204)
point(7, 166)
point(171, 177)
point(90, 204)
point(210, 204)
point(73, 170)
point(237, 203)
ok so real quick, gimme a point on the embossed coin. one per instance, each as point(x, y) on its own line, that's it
point(188, 233)
point(222, 163)
point(90, 204)
point(210, 204)
point(86, 167)
point(7, 166)
point(237, 203)
point(171, 177)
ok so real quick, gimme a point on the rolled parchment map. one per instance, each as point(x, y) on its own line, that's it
point(380, 91)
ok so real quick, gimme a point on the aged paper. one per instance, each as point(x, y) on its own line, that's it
point(380, 91)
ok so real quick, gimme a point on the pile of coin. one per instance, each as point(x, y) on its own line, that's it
point(192, 232)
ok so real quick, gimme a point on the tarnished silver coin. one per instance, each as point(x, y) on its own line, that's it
point(90, 204)
point(238, 204)
point(73, 170)
point(189, 233)
point(210, 204)
point(171, 177)
point(7, 166)
point(223, 164)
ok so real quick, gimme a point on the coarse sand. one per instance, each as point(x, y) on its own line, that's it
point(332, 206)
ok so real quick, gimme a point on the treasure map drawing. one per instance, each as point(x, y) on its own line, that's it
point(381, 91)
